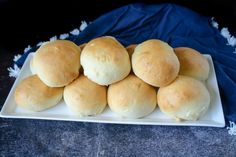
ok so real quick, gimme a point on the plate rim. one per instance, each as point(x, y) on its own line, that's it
point(115, 121)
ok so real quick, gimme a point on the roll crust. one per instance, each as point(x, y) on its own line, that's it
point(105, 60)
point(131, 97)
point(32, 94)
point(57, 63)
point(155, 62)
point(192, 63)
point(85, 97)
point(185, 98)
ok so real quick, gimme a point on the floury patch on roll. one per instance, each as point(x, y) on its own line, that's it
point(32, 94)
point(192, 63)
point(131, 97)
point(84, 97)
point(155, 62)
point(185, 98)
point(57, 63)
point(105, 60)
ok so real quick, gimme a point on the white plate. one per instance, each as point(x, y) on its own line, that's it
point(214, 116)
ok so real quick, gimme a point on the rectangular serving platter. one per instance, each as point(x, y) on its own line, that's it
point(213, 118)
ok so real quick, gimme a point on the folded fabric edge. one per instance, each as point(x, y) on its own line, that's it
point(231, 128)
point(231, 40)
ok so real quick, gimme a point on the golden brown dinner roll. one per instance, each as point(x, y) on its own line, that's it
point(105, 60)
point(57, 63)
point(185, 98)
point(85, 97)
point(155, 62)
point(131, 97)
point(192, 63)
point(130, 49)
point(34, 95)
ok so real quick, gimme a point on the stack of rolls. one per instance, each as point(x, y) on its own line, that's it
point(131, 80)
point(187, 98)
point(54, 65)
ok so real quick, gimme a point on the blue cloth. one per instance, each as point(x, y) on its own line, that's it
point(176, 25)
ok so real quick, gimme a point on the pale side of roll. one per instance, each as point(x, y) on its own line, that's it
point(32, 66)
point(81, 70)
point(131, 98)
point(155, 62)
point(32, 94)
point(57, 63)
point(84, 97)
point(105, 60)
point(192, 63)
point(185, 98)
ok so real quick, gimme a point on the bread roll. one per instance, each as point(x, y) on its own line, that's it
point(105, 60)
point(155, 62)
point(32, 94)
point(130, 49)
point(131, 97)
point(185, 98)
point(57, 63)
point(85, 97)
point(192, 63)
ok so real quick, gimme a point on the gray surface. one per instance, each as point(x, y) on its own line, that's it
point(57, 138)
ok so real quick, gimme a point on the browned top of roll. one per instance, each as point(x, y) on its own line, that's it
point(192, 63)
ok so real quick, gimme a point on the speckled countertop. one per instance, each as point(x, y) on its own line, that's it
point(57, 138)
point(20, 137)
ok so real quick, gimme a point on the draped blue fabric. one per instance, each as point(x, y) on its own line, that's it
point(176, 25)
